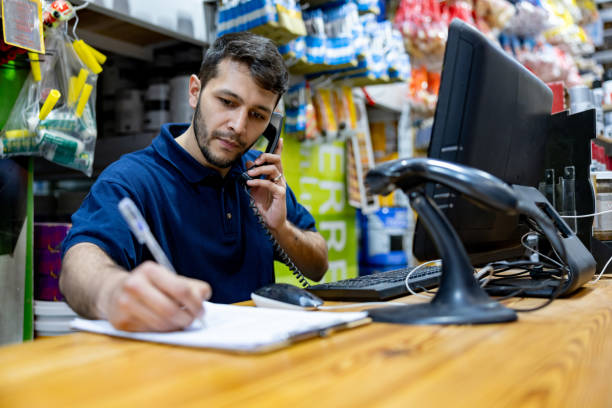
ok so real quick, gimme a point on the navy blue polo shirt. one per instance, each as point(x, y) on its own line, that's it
point(202, 221)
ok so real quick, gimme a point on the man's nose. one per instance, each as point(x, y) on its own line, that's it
point(239, 121)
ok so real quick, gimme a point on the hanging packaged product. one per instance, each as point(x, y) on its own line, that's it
point(423, 28)
point(295, 109)
point(307, 54)
point(323, 100)
point(22, 25)
point(564, 17)
point(54, 115)
point(345, 49)
point(339, 22)
point(279, 20)
point(333, 44)
point(376, 66)
point(494, 13)
point(529, 20)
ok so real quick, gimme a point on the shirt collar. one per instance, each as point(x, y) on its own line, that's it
point(165, 145)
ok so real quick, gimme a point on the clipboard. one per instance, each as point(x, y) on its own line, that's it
point(241, 329)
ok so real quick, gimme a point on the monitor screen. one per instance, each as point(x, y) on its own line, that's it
point(492, 114)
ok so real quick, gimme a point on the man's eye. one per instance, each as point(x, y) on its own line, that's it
point(257, 116)
point(226, 102)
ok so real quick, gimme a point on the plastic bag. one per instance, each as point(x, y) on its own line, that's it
point(54, 115)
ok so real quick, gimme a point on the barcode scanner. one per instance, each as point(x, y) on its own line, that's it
point(476, 185)
point(459, 299)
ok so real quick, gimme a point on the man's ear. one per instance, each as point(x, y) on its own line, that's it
point(194, 90)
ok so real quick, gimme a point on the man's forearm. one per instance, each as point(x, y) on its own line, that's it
point(87, 278)
point(307, 249)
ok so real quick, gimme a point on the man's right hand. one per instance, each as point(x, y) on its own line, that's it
point(151, 298)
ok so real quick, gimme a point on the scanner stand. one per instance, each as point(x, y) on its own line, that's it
point(459, 300)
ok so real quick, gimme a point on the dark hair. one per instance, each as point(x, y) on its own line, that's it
point(258, 53)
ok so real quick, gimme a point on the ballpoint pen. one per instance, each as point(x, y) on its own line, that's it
point(142, 232)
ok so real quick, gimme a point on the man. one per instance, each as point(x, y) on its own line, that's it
point(186, 186)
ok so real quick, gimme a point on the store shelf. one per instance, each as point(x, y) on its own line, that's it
point(108, 150)
point(135, 28)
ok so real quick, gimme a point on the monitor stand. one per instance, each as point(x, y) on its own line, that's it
point(459, 300)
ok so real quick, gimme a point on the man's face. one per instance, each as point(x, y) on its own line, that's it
point(231, 113)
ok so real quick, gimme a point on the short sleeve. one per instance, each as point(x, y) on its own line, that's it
point(99, 222)
point(297, 214)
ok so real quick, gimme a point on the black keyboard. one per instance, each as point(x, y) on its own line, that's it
point(378, 286)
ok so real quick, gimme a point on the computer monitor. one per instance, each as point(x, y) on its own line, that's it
point(492, 114)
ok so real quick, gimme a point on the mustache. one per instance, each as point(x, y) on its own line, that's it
point(228, 136)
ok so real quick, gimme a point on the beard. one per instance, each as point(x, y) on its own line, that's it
point(204, 140)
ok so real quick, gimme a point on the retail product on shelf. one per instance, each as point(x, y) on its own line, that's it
point(48, 239)
point(529, 20)
point(545, 36)
point(129, 111)
point(550, 63)
point(385, 238)
point(52, 318)
point(423, 90)
point(332, 41)
point(494, 14)
point(157, 106)
point(296, 103)
point(564, 18)
point(280, 20)
point(347, 48)
point(423, 28)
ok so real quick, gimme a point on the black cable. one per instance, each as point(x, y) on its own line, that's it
point(523, 264)
point(553, 296)
point(511, 294)
point(528, 268)
point(278, 250)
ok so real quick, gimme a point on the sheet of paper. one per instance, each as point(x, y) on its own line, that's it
point(239, 328)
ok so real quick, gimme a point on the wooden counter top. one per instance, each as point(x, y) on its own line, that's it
point(560, 356)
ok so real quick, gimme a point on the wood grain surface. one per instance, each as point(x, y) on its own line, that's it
point(560, 356)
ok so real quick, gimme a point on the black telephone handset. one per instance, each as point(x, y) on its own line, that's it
point(272, 135)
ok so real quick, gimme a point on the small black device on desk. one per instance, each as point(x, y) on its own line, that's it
point(285, 296)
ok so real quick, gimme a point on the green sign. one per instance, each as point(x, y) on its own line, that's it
point(316, 173)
